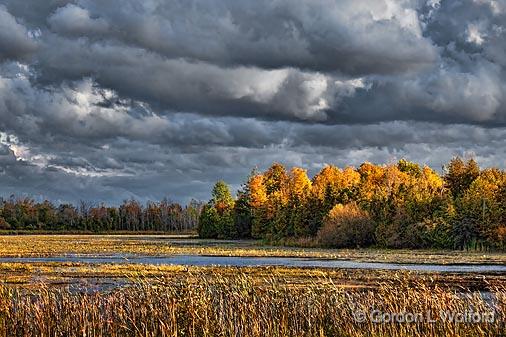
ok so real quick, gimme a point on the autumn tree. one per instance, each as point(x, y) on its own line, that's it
point(413, 169)
point(331, 186)
point(258, 204)
point(275, 178)
point(347, 226)
point(269, 197)
point(297, 212)
point(482, 209)
point(460, 175)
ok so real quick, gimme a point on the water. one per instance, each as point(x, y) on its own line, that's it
point(199, 260)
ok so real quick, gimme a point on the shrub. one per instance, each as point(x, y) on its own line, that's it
point(346, 226)
point(4, 224)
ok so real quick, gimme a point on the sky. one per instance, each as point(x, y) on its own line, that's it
point(109, 100)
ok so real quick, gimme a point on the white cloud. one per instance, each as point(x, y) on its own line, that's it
point(474, 34)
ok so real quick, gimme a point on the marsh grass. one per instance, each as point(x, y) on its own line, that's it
point(57, 245)
point(217, 304)
point(35, 299)
point(29, 275)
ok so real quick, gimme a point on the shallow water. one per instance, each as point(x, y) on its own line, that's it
point(199, 260)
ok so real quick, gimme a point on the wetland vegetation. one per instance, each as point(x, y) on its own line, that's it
point(253, 302)
point(163, 245)
point(131, 299)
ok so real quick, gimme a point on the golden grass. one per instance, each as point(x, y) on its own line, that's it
point(52, 245)
point(40, 299)
point(221, 304)
point(29, 275)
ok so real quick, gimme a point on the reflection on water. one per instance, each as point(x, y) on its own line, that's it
point(198, 260)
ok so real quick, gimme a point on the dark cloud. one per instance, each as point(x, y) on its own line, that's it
point(108, 100)
point(73, 20)
point(317, 35)
point(15, 41)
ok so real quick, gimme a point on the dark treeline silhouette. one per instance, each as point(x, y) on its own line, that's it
point(401, 205)
point(26, 214)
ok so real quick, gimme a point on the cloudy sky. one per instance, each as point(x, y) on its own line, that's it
point(107, 100)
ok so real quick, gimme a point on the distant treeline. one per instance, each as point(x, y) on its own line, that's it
point(22, 214)
point(402, 205)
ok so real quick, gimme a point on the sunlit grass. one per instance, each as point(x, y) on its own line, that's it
point(29, 275)
point(52, 245)
point(126, 299)
point(204, 303)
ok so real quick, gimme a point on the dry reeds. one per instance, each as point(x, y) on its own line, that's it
point(199, 305)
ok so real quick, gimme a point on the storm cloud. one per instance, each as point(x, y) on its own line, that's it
point(107, 100)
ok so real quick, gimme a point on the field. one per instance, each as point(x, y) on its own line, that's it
point(48, 298)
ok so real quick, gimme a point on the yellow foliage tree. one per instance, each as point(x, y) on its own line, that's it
point(299, 183)
point(258, 191)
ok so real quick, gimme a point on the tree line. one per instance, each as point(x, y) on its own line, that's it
point(402, 205)
point(131, 215)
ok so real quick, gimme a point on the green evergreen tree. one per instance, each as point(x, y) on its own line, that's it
point(208, 222)
point(243, 216)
